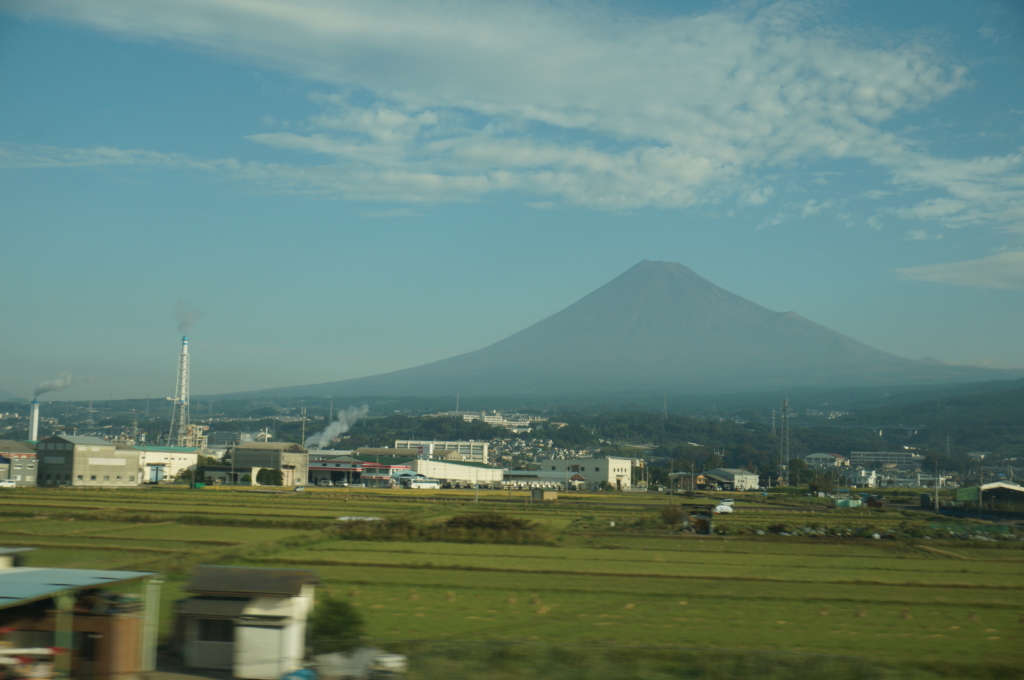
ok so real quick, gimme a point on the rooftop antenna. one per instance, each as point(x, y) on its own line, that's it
point(178, 435)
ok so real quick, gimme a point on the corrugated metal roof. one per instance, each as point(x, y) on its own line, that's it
point(27, 584)
point(249, 581)
point(227, 608)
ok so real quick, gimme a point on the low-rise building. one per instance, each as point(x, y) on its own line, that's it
point(731, 479)
point(86, 461)
point(246, 620)
point(861, 478)
point(471, 451)
point(462, 472)
point(161, 463)
point(613, 471)
point(291, 459)
point(92, 623)
point(18, 462)
point(880, 460)
point(824, 461)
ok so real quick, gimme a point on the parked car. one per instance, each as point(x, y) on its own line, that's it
point(7, 484)
point(728, 501)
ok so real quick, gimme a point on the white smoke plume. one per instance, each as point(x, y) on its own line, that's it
point(186, 317)
point(346, 419)
point(62, 381)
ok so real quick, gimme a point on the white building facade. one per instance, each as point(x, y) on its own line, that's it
point(471, 451)
point(616, 472)
point(458, 472)
point(165, 463)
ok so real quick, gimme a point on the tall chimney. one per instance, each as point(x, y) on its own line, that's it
point(33, 421)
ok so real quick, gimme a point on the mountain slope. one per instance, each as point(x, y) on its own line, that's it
point(657, 327)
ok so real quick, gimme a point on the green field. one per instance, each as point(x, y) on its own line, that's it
point(930, 602)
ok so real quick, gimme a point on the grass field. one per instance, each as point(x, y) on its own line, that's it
point(926, 603)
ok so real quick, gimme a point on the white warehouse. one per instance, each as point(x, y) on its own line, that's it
point(616, 472)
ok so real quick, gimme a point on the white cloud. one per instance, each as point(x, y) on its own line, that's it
point(570, 103)
point(921, 235)
point(1002, 270)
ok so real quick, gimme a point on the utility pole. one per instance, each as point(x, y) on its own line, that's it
point(784, 442)
point(303, 422)
point(671, 469)
point(936, 486)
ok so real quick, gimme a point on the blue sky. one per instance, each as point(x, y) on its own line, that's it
point(348, 188)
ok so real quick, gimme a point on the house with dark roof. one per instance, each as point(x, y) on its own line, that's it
point(246, 620)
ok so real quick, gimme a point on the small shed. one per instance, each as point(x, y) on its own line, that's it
point(246, 620)
point(94, 631)
point(543, 495)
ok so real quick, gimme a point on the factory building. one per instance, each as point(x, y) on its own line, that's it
point(590, 472)
point(881, 460)
point(291, 459)
point(822, 461)
point(471, 451)
point(160, 463)
point(86, 461)
point(17, 463)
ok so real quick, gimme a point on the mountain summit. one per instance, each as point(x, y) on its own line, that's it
point(659, 327)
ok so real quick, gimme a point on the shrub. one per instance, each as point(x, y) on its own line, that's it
point(672, 514)
point(488, 520)
point(269, 477)
point(334, 625)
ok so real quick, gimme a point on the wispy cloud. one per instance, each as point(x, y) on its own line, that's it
point(1002, 270)
point(921, 235)
point(566, 103)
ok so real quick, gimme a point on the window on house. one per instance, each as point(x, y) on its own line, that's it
point(216, 630)
point(80, 478)
point(119, 478)
point(92, 478)
point(106, 478)
point(552, 467)
point(131, 478)
point(597, 469)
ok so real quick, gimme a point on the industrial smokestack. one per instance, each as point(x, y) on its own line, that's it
point(33, 421)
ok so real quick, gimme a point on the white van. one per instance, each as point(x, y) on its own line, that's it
point(7, 484)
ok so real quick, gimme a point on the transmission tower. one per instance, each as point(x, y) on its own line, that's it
point(180, 433)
